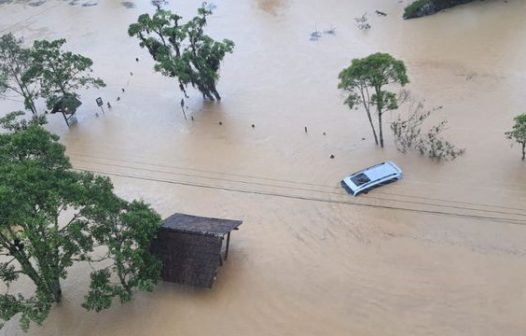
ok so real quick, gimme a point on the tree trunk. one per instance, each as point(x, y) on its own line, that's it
point(523, 150)
point(372, 127)
point(368, 111)
point(214, 91)
point(380, 129)
point(56, 290)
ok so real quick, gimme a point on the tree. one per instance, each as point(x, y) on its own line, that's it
point(518, 133)
point(183, 50)
point(61, 74)
point(52, 216)
point(408, 135)
point(363, 81)
point(15, 61)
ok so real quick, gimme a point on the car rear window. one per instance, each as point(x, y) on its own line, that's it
point(360, 179)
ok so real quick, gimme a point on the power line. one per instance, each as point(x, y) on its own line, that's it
point(314, 199)
point(315, 190)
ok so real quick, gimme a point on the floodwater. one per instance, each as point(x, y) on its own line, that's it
point(443, 252)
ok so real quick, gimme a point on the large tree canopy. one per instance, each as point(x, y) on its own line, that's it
point(183, 50)
point(52, 216)
point(61, 74)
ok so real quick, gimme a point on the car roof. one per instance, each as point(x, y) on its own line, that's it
point(379, 171)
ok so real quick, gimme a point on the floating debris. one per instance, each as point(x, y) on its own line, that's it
point(330, 31)
point(362, 22)
point(128, 4)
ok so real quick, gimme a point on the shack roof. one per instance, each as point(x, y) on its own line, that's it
point(200, 225)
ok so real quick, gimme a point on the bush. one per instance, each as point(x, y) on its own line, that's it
point(413, 9)
point(408, 135)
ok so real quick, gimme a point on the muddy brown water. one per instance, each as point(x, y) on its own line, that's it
point(440, 253)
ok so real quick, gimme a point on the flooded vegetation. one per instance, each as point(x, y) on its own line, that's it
point(441, 252)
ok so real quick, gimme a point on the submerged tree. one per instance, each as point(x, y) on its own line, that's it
point(183, 50)
point(61, 74)
point(52, 216)
point(518, 133)
point(409, 135)
point(364, 81)
point(15, 61)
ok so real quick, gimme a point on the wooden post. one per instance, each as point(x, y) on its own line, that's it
point(65, 118)
point(227, 245)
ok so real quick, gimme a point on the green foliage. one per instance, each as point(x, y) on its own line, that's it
point(420, 8)
point(412, 9)
point(183, 50)
point(52, 216)
point(44, 70)
point(126, 229)
point(408, 136)
point(363, 81)
point(518, 133)
point(15, 61)
point(60, 73)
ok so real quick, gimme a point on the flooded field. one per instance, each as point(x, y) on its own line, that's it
point(443, 252)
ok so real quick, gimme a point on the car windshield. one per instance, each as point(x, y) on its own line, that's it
point(360, 179)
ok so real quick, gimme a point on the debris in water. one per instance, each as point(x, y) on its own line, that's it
point(330, 31)
point(253, 126)
point(332, 156)
point(362, 22)
point(381, 13)
point(220, 123)
point(305, 129)
point(315, 35)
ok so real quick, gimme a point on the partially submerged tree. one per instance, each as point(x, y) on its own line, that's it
point(364, 81)
point(518, 133)
point(52, 216)
point(409, 134)
point(125, 230)
point(183, 50)
point(61, 74)
point(15, 61)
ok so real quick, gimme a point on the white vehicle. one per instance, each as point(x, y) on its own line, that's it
point(372, 177)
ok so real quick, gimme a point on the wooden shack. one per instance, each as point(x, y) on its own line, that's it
point(191, 248)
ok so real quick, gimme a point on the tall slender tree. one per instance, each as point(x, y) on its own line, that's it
point(364, 81)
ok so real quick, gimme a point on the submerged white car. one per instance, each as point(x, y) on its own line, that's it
point(372, 177)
